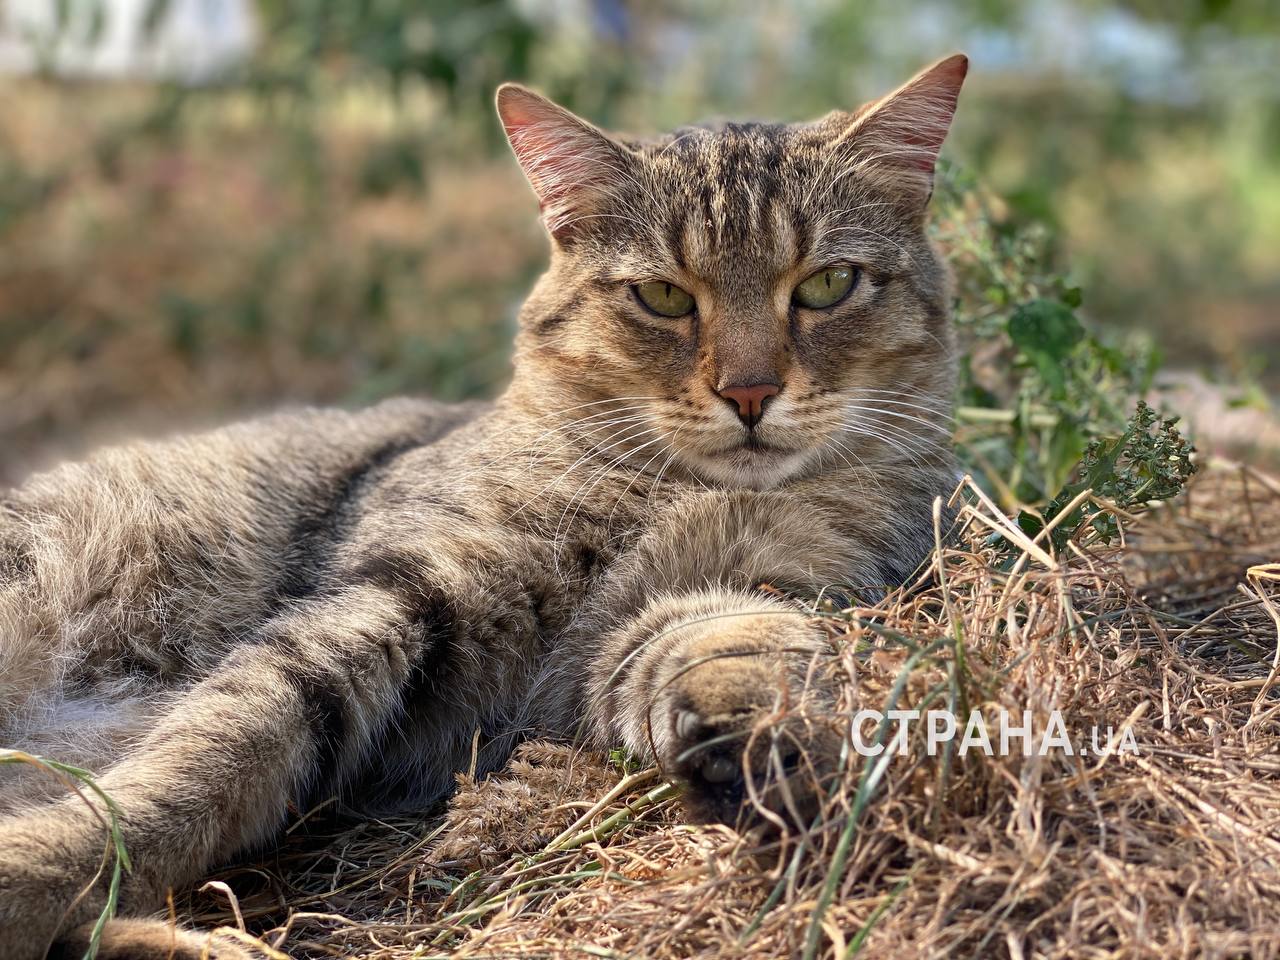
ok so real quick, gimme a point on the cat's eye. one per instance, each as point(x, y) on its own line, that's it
point(826, 288)
point(665, 299)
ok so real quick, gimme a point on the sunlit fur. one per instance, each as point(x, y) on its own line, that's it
point(234, 626)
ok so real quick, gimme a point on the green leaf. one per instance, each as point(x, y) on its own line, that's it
point(1061, 451)
point(1151, 461)
point(1045, 327)
point(1029, 523)
point(1046, 332)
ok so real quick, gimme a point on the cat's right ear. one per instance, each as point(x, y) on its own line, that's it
point(570, 164)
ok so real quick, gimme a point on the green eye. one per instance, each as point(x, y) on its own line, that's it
point(826, 288)
point(664, 298)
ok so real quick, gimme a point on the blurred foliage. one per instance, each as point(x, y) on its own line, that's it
point(1048, 406)
point(465, 46)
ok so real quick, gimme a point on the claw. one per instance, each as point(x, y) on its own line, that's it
point(719, 770)
point(687, 724)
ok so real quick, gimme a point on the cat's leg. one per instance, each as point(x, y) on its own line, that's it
point(127, 939)
point(277, 720)
point(726, 685)
point(731, 693)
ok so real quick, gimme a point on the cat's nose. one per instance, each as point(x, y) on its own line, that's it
point(749, 399)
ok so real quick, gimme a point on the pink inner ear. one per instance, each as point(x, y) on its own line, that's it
point(558, 153)
point(540, 152)
point(912, 122)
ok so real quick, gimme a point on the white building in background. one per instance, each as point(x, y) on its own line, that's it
point(189, 41)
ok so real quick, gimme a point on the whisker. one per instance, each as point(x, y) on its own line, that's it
point(845, 452)
point(661, 470)
point(537, 456)
point(631, 483)
point(591, 452)
point(896, 447)
point(905, 438)
point(898, 442)
point(940, 410)
point(909, 417)
point(591, 483)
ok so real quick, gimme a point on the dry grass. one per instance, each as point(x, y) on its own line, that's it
point(1170, 852)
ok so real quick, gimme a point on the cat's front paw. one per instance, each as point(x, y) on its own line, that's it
point(745, 723)
point(42, 886)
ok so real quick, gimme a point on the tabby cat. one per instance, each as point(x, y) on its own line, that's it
point(730, 394)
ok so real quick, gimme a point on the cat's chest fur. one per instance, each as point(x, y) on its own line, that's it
point(497, 558)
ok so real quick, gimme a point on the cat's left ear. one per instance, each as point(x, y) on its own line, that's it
point(570, 164)
point(901, 133)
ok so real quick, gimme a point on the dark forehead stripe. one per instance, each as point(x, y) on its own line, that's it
point(803, 238)
point(730, 178)
point(747, 178)
point(674, 234)
point(675, 156)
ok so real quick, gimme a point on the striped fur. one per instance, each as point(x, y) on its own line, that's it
point(228, 625)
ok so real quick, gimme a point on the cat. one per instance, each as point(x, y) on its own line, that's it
point(731, 394)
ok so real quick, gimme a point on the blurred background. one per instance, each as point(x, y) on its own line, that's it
point(211, 206)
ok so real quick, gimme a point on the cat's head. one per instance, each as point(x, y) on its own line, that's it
point(749, 301)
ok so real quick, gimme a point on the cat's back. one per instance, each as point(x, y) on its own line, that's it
point(292, 450)
point(200, 534)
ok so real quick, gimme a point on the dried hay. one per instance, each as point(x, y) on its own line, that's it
point(1170, 852)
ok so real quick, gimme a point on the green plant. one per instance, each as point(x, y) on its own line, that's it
point(1048, 407)
point(1150, 461)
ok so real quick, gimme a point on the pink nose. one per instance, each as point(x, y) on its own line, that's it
point(750, 399)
